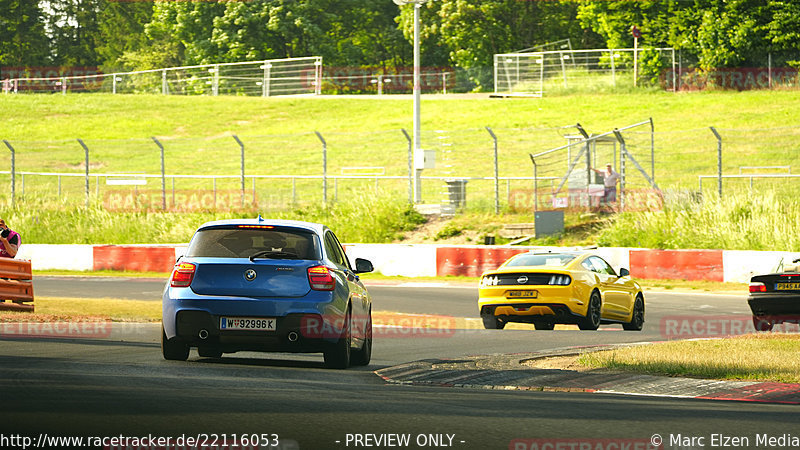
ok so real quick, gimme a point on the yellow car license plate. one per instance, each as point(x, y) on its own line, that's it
point(787, 286)
point(522, 294)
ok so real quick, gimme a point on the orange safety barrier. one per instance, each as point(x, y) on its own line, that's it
point(16, 285)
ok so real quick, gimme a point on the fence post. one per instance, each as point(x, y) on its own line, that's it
point(13, 172)
point(623, 156)
point(324, 169)
point(241, 146)
point(410, 167)
point(164, 178)
point(215, 85)
point(588, 162)
point(265, 82)
point(496, 174)
point(674, 79)
point(164, 88)
point(86, 152)
point(652, 150)
point(535, 184)
point(719, 160)
point(318, 76)
point(613, 70)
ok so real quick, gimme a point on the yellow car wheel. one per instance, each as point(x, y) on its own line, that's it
point(637, 319)
point(592, 319)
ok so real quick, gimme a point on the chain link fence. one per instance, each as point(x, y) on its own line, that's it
point(536, 168)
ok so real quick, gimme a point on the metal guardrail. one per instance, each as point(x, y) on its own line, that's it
point(287, 76)
point(16, 285)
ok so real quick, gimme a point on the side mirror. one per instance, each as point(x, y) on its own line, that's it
point(624, 272)
point(363, 266)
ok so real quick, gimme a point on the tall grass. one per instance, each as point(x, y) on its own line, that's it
point(751, 357)
point(366, 218)
point(740, 221)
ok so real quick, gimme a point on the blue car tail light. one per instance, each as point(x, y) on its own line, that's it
point(182, 275)
point(320, 278)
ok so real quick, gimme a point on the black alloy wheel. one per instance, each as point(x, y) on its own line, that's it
point(637, 320)
point(592, 319)
point(337, 356)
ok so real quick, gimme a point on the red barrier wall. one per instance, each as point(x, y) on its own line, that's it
point(471, 262)
point(694, 265)
point(134, 259)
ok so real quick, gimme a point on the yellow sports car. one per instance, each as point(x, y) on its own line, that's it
point(567, 288)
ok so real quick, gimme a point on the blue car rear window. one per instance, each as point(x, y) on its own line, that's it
point(234, 242)
point(541, 259)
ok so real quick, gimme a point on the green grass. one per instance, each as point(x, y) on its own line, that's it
point(365, 131)
point(279, 132)
point(105, 116)
point(58, 309)
point(763, 357)
point(362, 219)
point(739, 221)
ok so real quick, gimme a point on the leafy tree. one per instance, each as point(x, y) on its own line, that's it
point(73, 27)
point(22, 34)
point(121, 27)
point(718, 33)
point(468, 33)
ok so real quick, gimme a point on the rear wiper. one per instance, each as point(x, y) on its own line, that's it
point(272, 254)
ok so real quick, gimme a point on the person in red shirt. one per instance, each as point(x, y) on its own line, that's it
point(9, 241)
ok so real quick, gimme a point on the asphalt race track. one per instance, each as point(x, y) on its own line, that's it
point(119, 385)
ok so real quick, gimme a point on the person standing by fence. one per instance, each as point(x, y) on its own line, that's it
point(9, 241)
point(610, 179)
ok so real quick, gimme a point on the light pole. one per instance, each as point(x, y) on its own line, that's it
point(419, 157)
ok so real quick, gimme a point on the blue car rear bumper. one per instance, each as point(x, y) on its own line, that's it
point(303, 324)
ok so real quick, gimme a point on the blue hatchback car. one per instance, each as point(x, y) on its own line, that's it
point(267, 285)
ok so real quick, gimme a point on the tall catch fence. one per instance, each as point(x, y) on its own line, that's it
point(537, 73)
point(482, 169)
point(559, 68)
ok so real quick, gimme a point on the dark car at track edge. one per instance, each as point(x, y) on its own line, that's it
point(775, 298)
